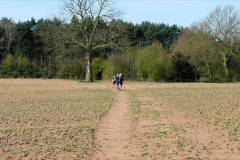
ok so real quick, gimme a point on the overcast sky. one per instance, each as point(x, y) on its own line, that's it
point(180, 12)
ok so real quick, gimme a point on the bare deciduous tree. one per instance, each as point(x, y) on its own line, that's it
point(197, 47)
point(224, 25)
point(211, 43)
point(89, 14)
point(10, 31)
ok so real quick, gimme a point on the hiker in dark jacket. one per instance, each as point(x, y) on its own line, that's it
point(120, 81)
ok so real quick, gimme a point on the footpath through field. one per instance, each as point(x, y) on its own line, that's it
point(113, 134)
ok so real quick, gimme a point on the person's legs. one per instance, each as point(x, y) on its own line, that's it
point(114, 86)
point(119, 86)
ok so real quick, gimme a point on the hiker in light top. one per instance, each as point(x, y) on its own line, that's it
point(114, 82)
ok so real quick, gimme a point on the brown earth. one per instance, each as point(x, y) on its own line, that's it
point(113, 134)
point(184, 136)
point(145, 121)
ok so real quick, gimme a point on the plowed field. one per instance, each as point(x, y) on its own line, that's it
point(63, 119)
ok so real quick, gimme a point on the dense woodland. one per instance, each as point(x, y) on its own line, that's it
point(207, 51)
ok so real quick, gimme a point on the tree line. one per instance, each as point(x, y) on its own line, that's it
point(48, 48)
point(207, 51)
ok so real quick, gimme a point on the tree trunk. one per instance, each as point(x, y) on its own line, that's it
point(225, 66)
point(89, 77)
point(208, 67)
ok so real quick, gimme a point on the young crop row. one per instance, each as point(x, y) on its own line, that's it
point(50, 120)
point(190, 122)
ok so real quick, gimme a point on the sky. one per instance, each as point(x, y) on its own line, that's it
point(179, 12)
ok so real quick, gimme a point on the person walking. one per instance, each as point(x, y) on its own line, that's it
point(114, 82)
point(120, 81)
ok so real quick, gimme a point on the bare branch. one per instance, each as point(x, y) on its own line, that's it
point(90, 14)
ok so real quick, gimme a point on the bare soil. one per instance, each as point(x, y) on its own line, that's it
point(113, 134)
point(173, 133)
point(58, 119)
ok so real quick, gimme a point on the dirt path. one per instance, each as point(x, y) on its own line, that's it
point(113, 134)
